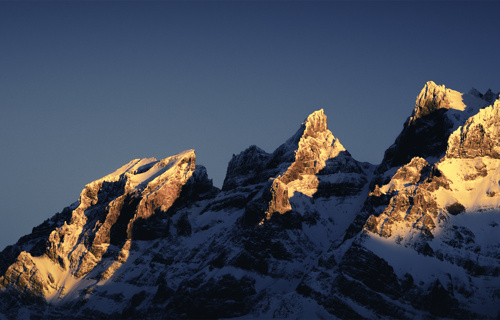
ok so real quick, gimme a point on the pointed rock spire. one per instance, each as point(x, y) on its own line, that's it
point(434, 97)
point(475, 93)
point(426, 132)
point(312, 144)
point(490, 96)
point(315, 145)
point(316, 122)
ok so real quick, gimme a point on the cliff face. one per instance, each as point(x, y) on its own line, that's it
point(304, 231)
point(478, 137)
point(315, 146)
point(438, 112)
point(102, 225)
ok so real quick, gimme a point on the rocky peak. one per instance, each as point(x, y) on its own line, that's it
point(310, 146)
point(434, 97)
point(245, 168)
point(475, 93)
point(315, 123)
point(156, 238)
point(411, 208)
point(165, 183)
point(312, 163)
point(314, 126)
point(314, 147)
point(489, 96)
point(103, 222)
point(425, 133)
point(479, 135)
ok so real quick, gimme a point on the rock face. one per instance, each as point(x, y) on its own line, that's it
point(479, 136)
point(434, 97)
point(305, 231)
point(103, 223)
point(315, 146)
point(438, 112)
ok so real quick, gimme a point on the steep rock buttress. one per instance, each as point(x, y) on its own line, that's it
point(438, 112)
point(305, 231)
point(103, 224)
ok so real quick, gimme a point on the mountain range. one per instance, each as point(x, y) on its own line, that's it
point(306, 231)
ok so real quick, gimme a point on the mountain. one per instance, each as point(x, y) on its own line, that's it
point(305, 232)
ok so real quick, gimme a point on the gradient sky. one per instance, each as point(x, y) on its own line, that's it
point(85, 87)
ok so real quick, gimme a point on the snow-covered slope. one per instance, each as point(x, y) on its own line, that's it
point(434, 222)
point(305, 232)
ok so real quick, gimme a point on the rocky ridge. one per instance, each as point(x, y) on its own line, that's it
point(305, 231)
point(438, 112)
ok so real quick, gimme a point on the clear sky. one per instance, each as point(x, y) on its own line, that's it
point(85, 87)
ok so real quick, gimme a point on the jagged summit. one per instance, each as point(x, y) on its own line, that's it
point(434, 97)
point(107, 218)
point(475, 93)
point(315, 146)
point(316, 129)
point(245, 168)
point(294, 167)
point(303, 232)
point(438, 112)
point(316, 121)
point(312, 163)
point(479, 135)
point(489, 96)
point(312, 144)
point(317, 143)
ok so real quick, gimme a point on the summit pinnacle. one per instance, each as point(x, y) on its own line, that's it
point(305, 231)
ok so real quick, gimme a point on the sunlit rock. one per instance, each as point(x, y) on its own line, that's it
point(306, 231)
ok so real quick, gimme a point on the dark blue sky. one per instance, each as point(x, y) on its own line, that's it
point(86, 87)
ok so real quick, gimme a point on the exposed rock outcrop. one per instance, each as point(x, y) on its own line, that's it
point(246, 168)
point(305, 231)
point(105, 217)
point(315, 146)
point(478, 137)
point(438, 112)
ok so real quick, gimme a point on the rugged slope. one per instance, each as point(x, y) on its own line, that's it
point(155, 231)
point(101, 225)
point(305, 231)
point(438, 112)
point(434, 225)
